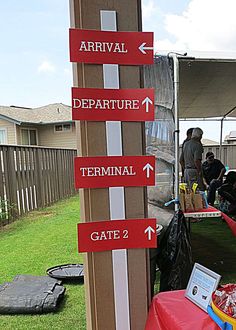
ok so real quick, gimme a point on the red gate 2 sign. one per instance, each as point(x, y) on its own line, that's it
point(112, 104)
point(117, 234)
point(114, 171)
point(91, 46)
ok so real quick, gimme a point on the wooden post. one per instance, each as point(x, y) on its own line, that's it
point(101, 302)
point(13, 211)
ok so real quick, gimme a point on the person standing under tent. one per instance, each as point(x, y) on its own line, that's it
point(213, 171)
point(181, 160)
point(192, 156)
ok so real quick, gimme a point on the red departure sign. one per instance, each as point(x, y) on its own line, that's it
point(91, 46)
point(117, 234)
point(112, 104)
point(114, 171)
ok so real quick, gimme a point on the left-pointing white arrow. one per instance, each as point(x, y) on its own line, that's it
point(149, 230)
point(143, 48)
point(147, 168)
point(146, 101)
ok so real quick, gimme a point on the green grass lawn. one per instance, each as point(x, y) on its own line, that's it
point(30, 245)
point(214, 246)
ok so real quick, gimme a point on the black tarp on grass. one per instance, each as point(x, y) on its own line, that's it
point(28, 294)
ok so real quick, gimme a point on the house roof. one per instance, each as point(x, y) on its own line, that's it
point(48, 114)
point(208, 142)
point(231, 136)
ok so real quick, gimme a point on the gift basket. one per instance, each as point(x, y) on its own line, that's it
point(223, 307)
point(191, 199)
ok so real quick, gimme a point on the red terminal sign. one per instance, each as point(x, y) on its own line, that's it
point(117, 234)
point(112, 104)
point(130, 48)
point(114, 171)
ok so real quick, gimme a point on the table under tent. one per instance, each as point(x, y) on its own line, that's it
point(185, 88)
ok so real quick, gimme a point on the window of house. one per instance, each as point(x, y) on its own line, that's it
point(58, 128)
point(28, 137)
point(3, 135)
point(67, 127)
point(63, 128)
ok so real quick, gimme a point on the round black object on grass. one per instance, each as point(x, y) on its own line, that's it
point(68, 272)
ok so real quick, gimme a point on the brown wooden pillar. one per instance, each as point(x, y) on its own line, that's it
point(99, 284)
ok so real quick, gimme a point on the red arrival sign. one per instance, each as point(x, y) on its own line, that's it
point(112, 104)
point(114, 171)
point(117, 234)
point(91, 46)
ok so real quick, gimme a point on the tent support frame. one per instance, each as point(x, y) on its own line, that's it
point(174, 57)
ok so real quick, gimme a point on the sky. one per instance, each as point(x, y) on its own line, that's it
point(34, 57)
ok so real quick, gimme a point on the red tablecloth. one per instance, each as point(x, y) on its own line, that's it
point(230, 222)
point(172, 311)
point(209, 209)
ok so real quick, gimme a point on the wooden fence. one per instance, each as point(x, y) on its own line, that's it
point(228, 154)
point(33, 177)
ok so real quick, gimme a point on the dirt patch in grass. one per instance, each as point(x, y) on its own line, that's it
point(42, 213)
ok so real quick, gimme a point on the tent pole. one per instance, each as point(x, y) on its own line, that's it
point(221, 137)
point(176, 132)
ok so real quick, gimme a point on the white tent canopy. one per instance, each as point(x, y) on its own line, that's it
point(203, 88)
point(207, 88)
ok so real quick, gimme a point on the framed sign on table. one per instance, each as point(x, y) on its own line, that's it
point(202, 283)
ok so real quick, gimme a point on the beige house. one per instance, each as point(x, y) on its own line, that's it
point(49, 126)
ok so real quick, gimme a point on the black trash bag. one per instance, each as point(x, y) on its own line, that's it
point(175, 257)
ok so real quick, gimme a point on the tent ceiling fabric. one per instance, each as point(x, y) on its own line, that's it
point(207, 88)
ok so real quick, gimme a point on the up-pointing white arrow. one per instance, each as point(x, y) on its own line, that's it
point(149, 230)
point(147, 168)
point(147, 100)
point(142, 48)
